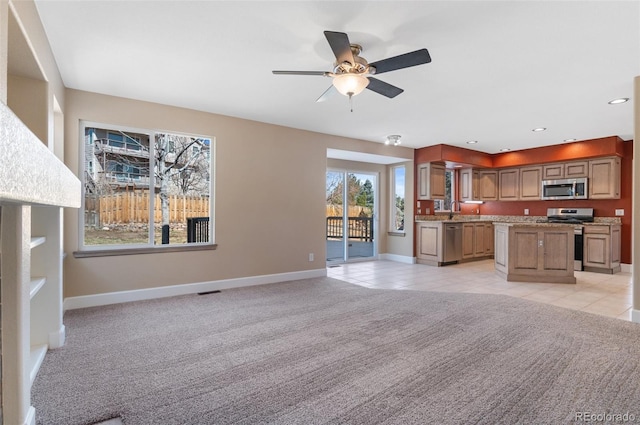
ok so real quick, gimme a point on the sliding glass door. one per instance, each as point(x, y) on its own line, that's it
point(350, 215)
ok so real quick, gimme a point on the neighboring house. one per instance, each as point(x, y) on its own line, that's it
point(116, 160)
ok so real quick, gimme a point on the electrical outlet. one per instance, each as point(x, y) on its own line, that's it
point(311, 256)
point(526, 211)
point(619, 211)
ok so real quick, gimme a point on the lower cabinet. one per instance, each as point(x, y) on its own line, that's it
point(429, 242)
point(477, 240)
point(529, 253)
point(602, 246)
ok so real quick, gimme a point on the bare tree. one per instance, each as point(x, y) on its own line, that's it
point(180, 160)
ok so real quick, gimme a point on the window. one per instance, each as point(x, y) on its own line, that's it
point(449, 193)
point(153, 190)
point(397, 198)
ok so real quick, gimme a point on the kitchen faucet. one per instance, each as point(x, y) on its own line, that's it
point(452, 209)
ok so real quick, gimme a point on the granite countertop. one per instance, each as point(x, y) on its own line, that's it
point(515, 219)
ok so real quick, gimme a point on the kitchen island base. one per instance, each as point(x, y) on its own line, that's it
point(534, 252)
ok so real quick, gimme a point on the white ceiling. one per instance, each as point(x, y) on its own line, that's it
point(498, 70)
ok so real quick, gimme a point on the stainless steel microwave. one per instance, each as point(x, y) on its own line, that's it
point(565, 189)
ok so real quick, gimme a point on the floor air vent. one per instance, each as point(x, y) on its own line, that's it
point(208, 292)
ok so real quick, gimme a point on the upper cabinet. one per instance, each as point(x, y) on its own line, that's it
point(508, 184)
point(431, 181)
point(478, 185)
point(522, 183)
point(604, 178)
point(530, 183)
point(488, 185)
point(469, 184)
point(565, 170)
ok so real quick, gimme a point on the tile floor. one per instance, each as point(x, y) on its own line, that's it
point(604, 294)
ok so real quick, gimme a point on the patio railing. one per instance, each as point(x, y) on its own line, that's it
point(359, 228)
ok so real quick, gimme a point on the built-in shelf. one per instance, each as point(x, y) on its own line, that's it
point(35, 360)
point(37, 241)
point(36, 284)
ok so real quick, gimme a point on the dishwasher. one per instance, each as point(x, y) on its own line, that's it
point(452, 250)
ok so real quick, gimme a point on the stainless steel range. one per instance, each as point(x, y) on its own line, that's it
point(575, 216)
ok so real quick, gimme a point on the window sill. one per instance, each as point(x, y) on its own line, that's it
point(149, 250)
point(401, 234)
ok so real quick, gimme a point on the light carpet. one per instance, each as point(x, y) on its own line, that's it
point(322, 351)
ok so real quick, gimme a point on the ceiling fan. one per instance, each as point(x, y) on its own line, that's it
point(352, 73)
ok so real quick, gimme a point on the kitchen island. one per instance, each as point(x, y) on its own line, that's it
point(534, 252)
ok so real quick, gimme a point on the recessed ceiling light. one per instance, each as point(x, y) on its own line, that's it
point(620, 100)
point(539, 129)
point(505, 150)
point(570, 140)
point(472, 142)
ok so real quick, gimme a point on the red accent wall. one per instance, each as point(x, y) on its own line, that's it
point(608, 146)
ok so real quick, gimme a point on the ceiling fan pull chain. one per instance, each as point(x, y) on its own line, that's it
point(351, 101)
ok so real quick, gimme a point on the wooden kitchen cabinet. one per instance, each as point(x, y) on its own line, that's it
point(478, 185)
point(530, 183)
point(602, 246)
point(431, 181)
point(576, 169)
point(565, 170)
point(488, 185)
point(468, 237)
point(429, 242)
point(488, 239)
point(553, 171)
point(508, 184)
point(476, 241)
point(604, 178)
point(533, 253)
point(469, 187)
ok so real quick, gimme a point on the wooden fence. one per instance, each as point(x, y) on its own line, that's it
point(354, 211)
point(133, 207)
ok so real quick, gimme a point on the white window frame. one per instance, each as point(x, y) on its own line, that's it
point(392, 203)
point(149, 247)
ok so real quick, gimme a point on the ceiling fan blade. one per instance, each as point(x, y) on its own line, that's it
point(406, 60)
point(341, 46)
point(327, 94)
point(383, 88)
point(320, 73)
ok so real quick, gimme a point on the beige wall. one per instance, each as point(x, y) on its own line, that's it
point(28, 99)
point(269, 189)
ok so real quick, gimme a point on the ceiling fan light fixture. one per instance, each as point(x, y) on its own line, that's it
point(350, 84)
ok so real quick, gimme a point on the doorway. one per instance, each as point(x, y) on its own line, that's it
point(351, 212)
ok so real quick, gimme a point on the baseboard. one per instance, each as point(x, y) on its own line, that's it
point(398, 258)
point(56, 338)
point(625, 268)
point(31, 416)
point(635, 316)
point(83, 301)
